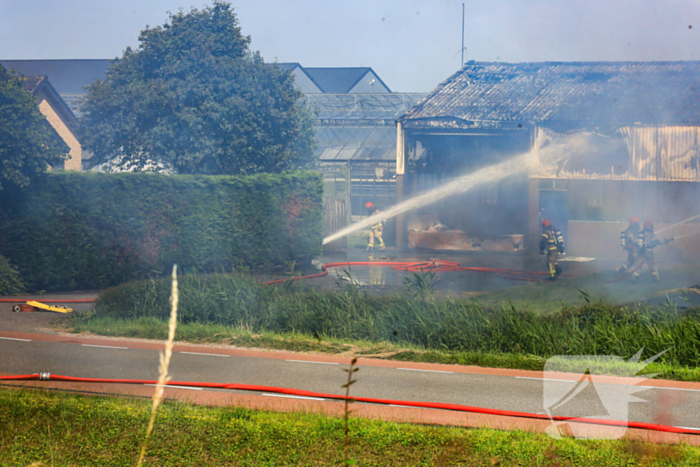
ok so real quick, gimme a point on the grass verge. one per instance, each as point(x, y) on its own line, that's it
point(42, 428)
point(201, 333)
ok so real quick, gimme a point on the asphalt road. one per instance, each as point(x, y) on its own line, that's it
point(401, 381)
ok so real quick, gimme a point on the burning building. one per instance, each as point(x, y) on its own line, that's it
point(640, 127)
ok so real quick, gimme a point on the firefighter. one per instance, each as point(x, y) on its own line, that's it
point(631, 240)
point(646, 253)
point(551, 244)
point(376, 230)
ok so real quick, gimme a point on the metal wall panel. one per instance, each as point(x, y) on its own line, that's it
point(335, 218)
point(656, 153)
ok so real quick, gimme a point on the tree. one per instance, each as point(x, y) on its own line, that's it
point(28, 146)
point(194, 97)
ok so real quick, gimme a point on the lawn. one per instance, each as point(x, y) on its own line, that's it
point(55, 429)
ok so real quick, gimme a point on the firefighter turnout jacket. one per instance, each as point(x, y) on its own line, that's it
point(632, 239)
point(379, 225)
point(648, 239)
point(551, 239)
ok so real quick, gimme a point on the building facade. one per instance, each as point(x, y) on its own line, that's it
point(625, 136)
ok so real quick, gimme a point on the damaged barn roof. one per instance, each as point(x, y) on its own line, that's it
point(574, 94)
point(358, 127)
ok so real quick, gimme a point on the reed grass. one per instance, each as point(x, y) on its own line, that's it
point(346, 408)
point(437, 324)
point(165, 356)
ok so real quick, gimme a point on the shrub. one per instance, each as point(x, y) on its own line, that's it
point(93, 230)
point(10, 281)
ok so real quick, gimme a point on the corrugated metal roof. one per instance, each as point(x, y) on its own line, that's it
point(574, 93)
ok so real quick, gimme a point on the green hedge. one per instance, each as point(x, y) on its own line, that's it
point(10, 281)
point(90, 230)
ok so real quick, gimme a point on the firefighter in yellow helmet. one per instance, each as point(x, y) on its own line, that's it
point(551, 244)
point(631, 240)
point(376, 230)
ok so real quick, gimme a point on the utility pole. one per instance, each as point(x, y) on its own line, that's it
point(462, 62)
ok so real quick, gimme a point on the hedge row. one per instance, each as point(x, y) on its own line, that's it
point(89, 230)
point(10, 280)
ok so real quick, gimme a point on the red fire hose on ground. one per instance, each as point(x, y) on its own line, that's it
point(426, 266)
point(368, 400)
point(430, 266)
point(421, 266)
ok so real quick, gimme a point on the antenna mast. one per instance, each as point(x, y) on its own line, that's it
point(462, 62)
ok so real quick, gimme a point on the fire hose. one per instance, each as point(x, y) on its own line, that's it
point(368, 400)
point(421, 266)
point(626, 273)
point(429, 266)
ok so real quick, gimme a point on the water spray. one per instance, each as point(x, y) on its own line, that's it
point(677, 224)
point(494, 173)
point(686, 235)
point(487, 174)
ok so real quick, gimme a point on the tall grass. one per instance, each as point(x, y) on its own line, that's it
point(447, 324)
point(163, 376)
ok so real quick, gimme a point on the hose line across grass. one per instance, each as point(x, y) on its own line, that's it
point(430, 266)
point(368, 400)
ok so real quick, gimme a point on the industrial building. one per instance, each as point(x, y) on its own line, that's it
point(640, 122)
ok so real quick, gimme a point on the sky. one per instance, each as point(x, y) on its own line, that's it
point(413, 45)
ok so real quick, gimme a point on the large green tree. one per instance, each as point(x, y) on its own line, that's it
point(193, 96)
point(27, 144)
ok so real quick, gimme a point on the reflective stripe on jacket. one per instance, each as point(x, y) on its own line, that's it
point(548, 240)
point(632, 238)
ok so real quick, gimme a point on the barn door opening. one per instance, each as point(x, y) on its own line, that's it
point(553, 206)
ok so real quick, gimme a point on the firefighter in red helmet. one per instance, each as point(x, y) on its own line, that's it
point(551, 244)
point(631, 240)
point(376, 230)
point(646, 252)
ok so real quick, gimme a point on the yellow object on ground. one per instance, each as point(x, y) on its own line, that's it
point(44, 306)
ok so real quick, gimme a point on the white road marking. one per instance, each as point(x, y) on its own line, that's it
point(407, 406)
point(428, 371)
point(294, 397)
point(617, 384)
point(545, 379)
point(210, 354)
point(15, 339)
point(673, 389)
point(308, 361)
point(105, 346)
point(178, 387)
point(688, 428)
